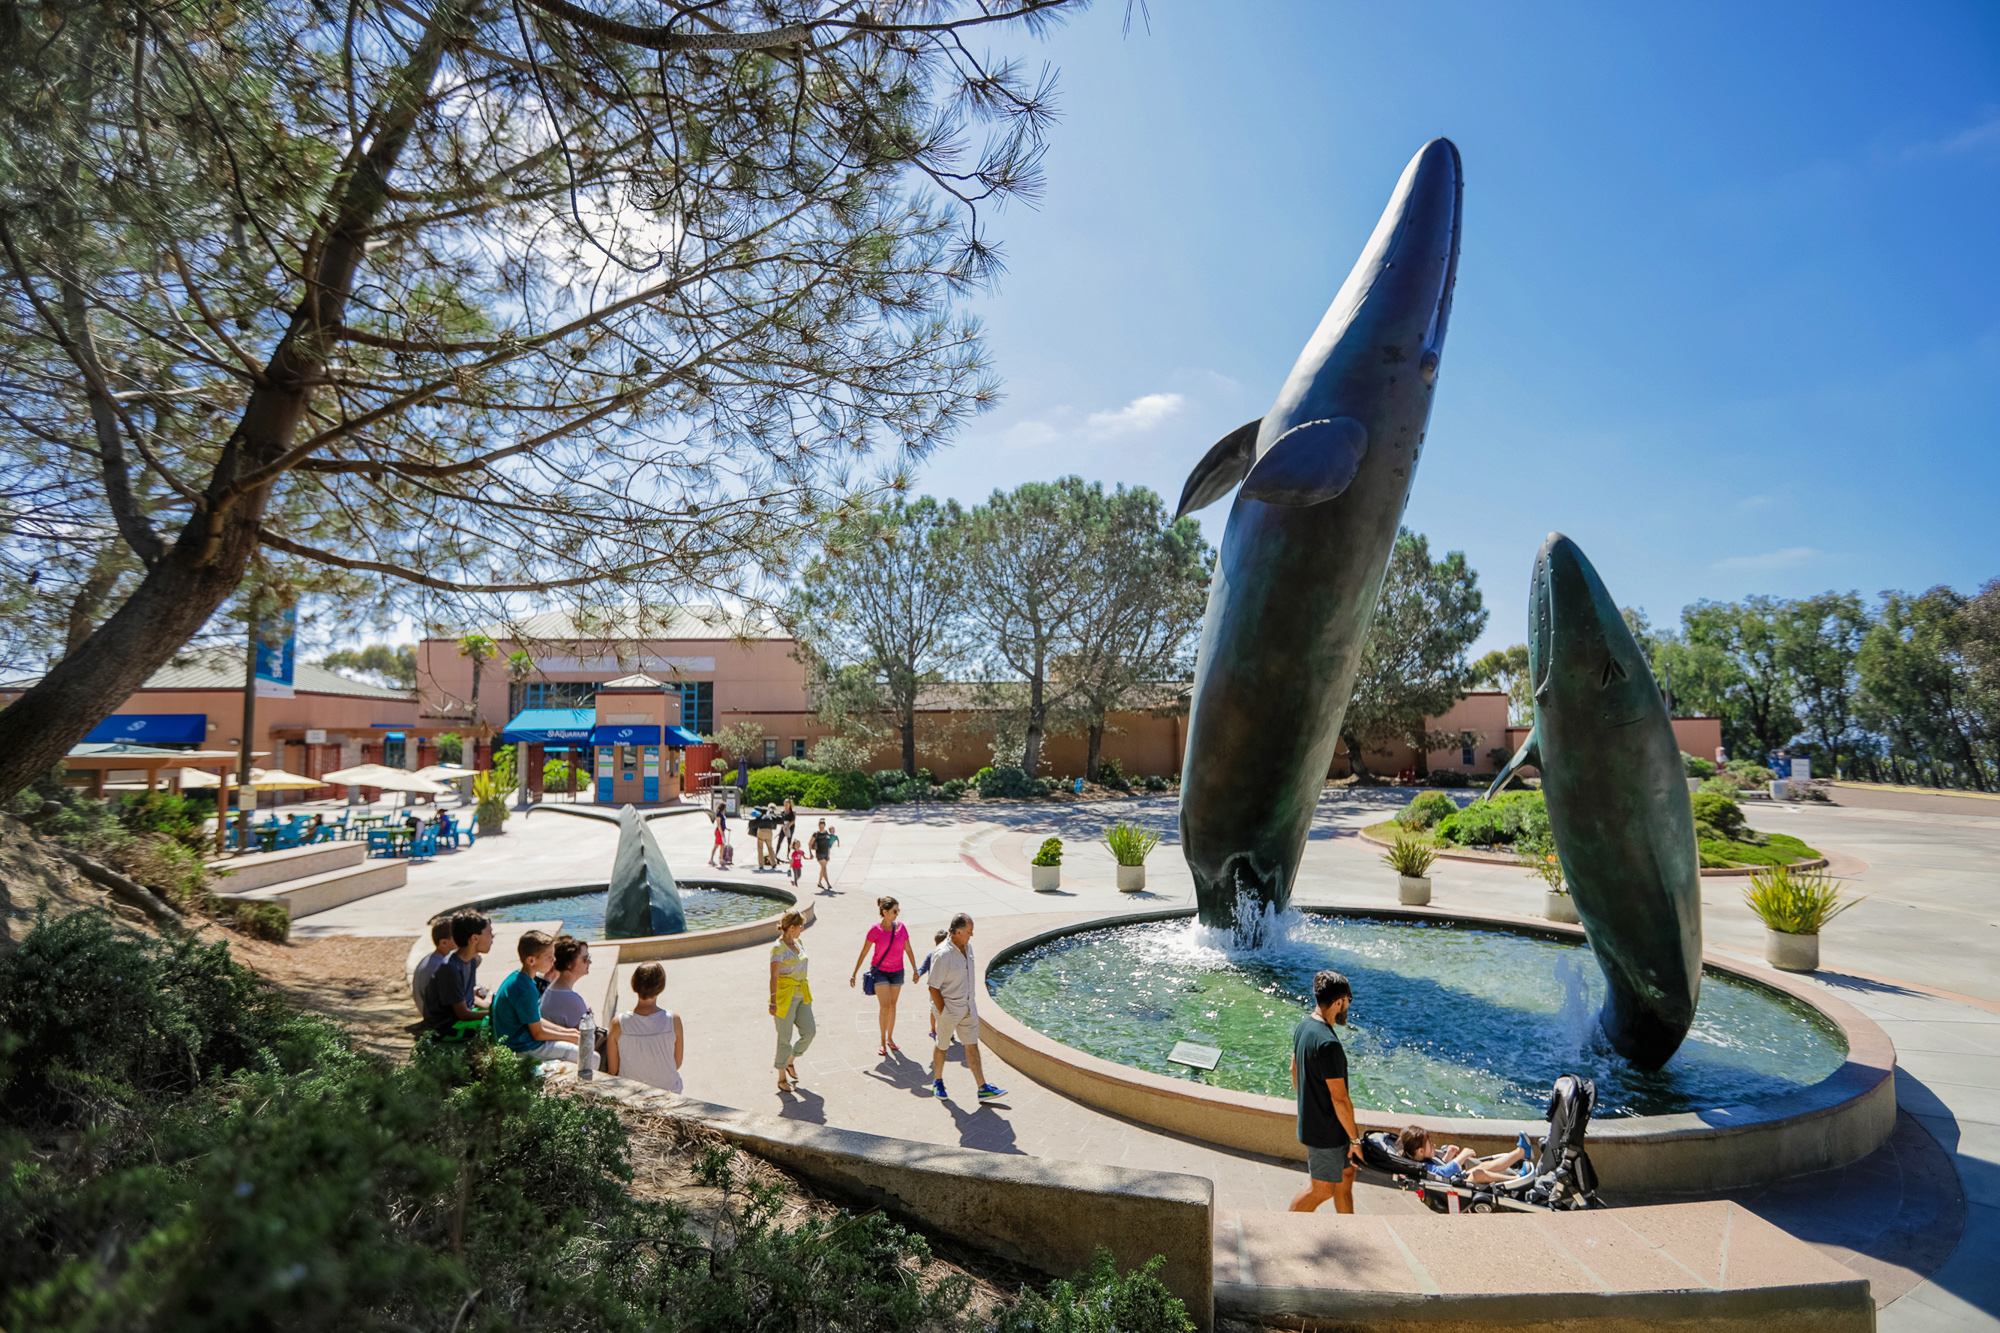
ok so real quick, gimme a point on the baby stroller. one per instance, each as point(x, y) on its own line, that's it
point(1562, 1181)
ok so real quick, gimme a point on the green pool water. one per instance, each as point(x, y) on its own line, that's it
point(582, 914)
point(1445, 1021)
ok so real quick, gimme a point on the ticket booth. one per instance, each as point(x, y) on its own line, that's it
point(633, 715)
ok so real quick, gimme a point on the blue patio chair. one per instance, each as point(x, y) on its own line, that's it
point(289, 836)
point(381, 842)
point(425, 844)
point(449, 832)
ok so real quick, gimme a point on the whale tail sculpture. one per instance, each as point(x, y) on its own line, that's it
point(643, 899)
point(1615, 784)
point(1325, 475)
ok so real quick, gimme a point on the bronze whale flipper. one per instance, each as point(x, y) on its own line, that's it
point(1617, 793)
point(643, 898)
point(1326, 473)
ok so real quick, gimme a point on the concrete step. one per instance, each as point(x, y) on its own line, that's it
point(259, 870)
point(316, 893)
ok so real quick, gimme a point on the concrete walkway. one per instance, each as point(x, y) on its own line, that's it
point(1932, 917)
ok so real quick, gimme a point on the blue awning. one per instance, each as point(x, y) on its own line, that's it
point(150, 729)
point(550, 724)
point(624, 735)
point(681, 738)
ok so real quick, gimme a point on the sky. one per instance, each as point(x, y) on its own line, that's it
point(1728, 306)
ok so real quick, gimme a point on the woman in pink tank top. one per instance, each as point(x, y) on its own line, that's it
point(885, 949)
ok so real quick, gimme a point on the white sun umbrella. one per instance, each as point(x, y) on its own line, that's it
point(447, 773)
point(385, 778)
point(261, 779)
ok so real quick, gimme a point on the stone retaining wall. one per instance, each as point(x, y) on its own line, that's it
point(1048, 1214)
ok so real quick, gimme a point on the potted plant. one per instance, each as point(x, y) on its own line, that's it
point(1411, 859)
point(1130, 845)
point(1046, 872)
point(1539, 858)
point(1794, 905)
point(491, 811)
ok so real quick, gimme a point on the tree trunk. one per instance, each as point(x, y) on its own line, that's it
point(1094, 755)
point(910, 739)
point(1423, 758)
point(1356, 765)
point(175, 599)
point(1031, 752)
point(186, 584)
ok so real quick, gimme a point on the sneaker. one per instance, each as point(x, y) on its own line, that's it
point(937, 1087)
point(987, 1092)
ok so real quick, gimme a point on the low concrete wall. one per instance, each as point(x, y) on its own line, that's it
point(1839, 1120)
point(1047, 1214)
point(260, 870)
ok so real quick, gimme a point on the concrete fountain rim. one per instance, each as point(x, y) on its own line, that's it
point(1838, 1120)
point(688, 944)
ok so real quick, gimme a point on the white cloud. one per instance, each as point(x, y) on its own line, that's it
point(1139, 415)
point(1030, 435)
point(1982, 137)
point(1791, 557)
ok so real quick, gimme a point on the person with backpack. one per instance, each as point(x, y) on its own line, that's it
point(889, 941)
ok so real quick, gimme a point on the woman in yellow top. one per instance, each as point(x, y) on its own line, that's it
point(791, 998)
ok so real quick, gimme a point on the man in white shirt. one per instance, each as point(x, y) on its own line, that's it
point(955, 1008)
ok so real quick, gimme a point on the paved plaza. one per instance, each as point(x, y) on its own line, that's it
point(1921, 956)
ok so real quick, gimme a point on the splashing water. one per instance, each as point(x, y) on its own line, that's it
point(1445, 1021)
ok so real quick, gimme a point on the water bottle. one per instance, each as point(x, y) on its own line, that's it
point(586, 1047)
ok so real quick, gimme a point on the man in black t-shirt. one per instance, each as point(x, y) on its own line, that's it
point(1326, 1111)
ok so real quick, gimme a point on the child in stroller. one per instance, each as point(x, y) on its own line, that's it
point(1560, 1177)
point(1448, 1161)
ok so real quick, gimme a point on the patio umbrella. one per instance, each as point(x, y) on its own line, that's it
point(446, 773)
point(385, 778)
point(261, 779)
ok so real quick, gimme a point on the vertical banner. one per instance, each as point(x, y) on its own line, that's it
point(277, 641)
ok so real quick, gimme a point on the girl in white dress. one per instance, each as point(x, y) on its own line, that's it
point(645, 1043)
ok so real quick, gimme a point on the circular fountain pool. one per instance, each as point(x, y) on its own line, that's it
point(1447, 1020)
point(582, 914)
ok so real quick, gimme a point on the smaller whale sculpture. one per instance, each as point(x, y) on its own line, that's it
point(642, 899)
point(1617, 794)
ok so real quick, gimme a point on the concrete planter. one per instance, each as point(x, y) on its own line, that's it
point(1131, 879)
point(1559, 907)
point(1045, 878)
point(491, 828)
point(1791, 953)
point(1413, 890)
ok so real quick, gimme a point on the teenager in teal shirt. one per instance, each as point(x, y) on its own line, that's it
point(517, 1007)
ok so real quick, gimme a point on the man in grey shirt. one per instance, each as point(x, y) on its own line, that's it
point(954, 1007)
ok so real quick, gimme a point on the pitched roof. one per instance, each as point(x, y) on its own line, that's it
point(634, 623)
point(222, 669)
point(638, 680)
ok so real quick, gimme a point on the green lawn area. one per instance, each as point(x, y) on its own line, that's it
point(1777, 849)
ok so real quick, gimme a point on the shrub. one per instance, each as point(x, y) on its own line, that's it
point(839, 754)
point(451, 748)
point(259, 918)
point(1696, 766)
point(1411, 856)
point(1009, 784)
point(1795, 902)
point(1130, 844)
point(1050, 854)
point(1447, 777)
point(771, 786)
point(165, 813)
point(952, 790)
point(840, 791)
point(1427, 810)
point(102, 1021)
point(1154, 782)
point(1772, 849)
point(1539, 858)
point(1509, 817)
point(1111, 773)
point(1099, 1300)
point(1717, 817)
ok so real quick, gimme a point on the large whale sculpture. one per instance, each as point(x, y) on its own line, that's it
point(1617, 794)
point(1325, 475)
point(643, 898)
